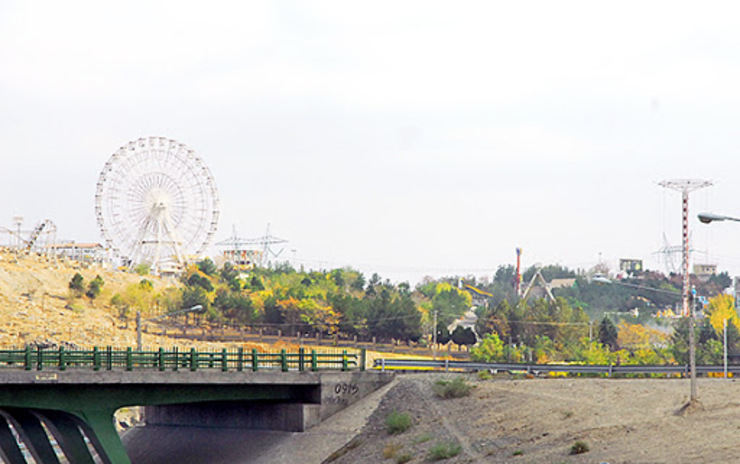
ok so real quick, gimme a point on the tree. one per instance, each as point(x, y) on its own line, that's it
point(118, 303)
point(490, 349)
point(77, 285)
point(721, 309)
point(608, 334)
point(207, 267)
point(463, 336)
point(198, 280)
point(95, 287)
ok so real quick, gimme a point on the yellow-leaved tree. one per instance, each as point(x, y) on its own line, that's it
point(722, 307)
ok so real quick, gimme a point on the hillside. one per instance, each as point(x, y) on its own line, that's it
point(36, 307)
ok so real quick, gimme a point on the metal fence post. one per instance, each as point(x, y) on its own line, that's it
point(27, 358)
point(62, 363)
point(363, 359)
point(314, 361)
point(193, 360)
point(129, 359)
point(283, 361)
point(344, 360)
point(301, 361)
point(176, 355)
point(224, 360)
point(160, 358)
point(96, 358)
point(240, 359)
point(255, 359)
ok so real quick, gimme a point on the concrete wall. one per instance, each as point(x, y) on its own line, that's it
point(341, 389)
point(289, 417)
point(335, 392)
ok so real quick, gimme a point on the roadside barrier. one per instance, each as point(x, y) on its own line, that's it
point(450, 365)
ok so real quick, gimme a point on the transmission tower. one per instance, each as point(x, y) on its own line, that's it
point(685, 186)
point(250, 244)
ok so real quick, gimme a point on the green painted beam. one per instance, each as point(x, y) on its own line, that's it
point(29, 427)
point(64, 428)
point(10, 452)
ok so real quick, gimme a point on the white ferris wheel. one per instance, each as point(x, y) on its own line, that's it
point(156, 203)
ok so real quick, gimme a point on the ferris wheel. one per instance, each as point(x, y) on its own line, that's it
point(156, 203)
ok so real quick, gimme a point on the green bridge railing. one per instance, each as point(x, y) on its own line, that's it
point(32, 358)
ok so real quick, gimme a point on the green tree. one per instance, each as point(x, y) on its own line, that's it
point(77, 285)
point(463, 336)
point(207, 267)
point(95, 287)
point(608, 334)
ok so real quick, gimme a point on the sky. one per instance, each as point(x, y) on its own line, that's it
point(408, 138)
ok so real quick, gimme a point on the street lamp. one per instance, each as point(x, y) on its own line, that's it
point(163, 316)
point(692, 338)
point(706, 218)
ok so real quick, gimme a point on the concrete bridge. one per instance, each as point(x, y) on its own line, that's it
point(69, 411)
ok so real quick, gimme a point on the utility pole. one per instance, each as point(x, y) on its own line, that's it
point(725, 350)
point(686, 186)
point(138, 331)
point(434, 338)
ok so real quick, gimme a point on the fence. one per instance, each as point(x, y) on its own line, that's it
point(245, 334)
point(680, 369)
point(31, 358)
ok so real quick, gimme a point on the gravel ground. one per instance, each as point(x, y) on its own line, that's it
point(507, 420)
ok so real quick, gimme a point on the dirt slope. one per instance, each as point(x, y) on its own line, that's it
point(538, 420)
point(35, 306)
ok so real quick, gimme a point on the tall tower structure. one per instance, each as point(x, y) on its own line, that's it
point(685, 186)
point(518, 277)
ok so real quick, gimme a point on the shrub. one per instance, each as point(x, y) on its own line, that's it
point(397, 422)
point(579, 447)
point(485, 375)
point(142, 269)
point(423, 438)
point(444, 450)
point(456, 388)
point(403, 458)
point(390, 450)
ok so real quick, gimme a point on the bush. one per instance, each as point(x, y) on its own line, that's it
point(390, 450)
point(579, 447)
point(423, 438)
point(142, 269)
point(403, 458)
point(456, 388)
point(77, 285)
point(485, 375)
point(444, 450)
point(397, 422)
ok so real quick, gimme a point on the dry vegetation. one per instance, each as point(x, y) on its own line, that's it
point(36, 306)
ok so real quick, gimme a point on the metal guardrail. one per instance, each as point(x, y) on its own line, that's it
point(31, 358)
point(448, 365)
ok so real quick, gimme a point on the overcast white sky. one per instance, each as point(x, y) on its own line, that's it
point(404, 137)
